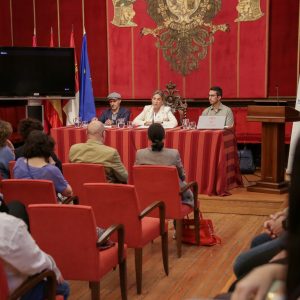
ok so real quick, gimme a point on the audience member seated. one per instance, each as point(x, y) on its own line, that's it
point(263, 247)
point(259, 281)
point(24, 128)
point(158, 155)
point(94, 151)
point(217, 108)
point(37, 162)
point(156, 113)
point(6, 148)
point(22, 258)
point(115, 112)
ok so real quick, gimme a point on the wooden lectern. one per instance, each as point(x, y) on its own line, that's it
point(273, 120)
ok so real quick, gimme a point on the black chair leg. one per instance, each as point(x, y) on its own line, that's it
point(123, 279)
point(164, 249)
point(95, 290)
point(138, 268)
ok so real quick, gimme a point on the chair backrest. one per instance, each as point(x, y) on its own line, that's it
point(158, 183)
point(29, 191)
point(113, 204)
point(79, 173)
point(68, 234)
point(3, 282)
point(11, 165)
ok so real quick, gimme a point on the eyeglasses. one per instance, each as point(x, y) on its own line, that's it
point(211, 96)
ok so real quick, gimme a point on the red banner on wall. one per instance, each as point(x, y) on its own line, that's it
point(236, 60)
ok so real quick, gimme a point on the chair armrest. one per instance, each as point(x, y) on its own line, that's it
point(194, 186)
point(74, 199)
point(121, 238)
point(162, 213)
point(32, 281)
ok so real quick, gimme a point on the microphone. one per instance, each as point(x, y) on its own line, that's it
point(277, 94)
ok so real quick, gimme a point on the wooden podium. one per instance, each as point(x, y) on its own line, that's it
point(273, 119)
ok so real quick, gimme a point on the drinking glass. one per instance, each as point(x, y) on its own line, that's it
point(129, 124)
point(77, 122)
point(84, 124)
point(121, 123)
point(193, 125)
point(185, 123)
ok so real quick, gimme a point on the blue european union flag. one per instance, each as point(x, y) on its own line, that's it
point(87, 108)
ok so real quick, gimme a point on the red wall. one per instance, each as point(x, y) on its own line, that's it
point(62, 15)
point(248, 62)
point(237, 59)
point(283, 52)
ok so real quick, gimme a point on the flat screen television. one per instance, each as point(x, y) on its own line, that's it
point(36, 72)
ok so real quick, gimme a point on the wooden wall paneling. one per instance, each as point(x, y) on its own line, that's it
point(5, 24)
point(120, 56)
point(46, 16)
point(23, 22)
point(252, 56)
point(145, 54)
point(224, 51)
point(283, 39)
point(95, 24)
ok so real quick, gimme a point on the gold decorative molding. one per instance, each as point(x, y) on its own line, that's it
point(123, 13)
point(248, 10)
point(184, 30)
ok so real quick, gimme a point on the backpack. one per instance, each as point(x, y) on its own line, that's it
point(246, 161)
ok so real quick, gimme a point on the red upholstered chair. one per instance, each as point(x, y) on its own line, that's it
point(28, 191)
point(11, 166)
point(162, 182)
point(31, 191)
point(118, 203)
point(28, 285)
point(68, 234)
point(79, 173)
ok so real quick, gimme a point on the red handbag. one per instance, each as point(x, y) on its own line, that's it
point(207, 235)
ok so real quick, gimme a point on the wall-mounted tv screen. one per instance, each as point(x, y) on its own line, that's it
point(37, 71)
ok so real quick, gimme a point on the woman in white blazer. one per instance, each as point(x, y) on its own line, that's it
point(156, 113)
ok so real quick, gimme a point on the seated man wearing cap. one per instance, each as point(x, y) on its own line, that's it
point(115, 112)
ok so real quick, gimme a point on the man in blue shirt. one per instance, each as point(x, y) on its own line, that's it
point(115, 112)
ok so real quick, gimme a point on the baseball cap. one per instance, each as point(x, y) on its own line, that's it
point(114, 95)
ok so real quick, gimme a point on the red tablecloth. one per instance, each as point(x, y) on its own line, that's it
point(208, 156)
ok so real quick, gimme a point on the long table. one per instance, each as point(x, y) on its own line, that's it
point(209, 156)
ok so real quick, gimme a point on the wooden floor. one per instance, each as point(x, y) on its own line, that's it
point(201, 272)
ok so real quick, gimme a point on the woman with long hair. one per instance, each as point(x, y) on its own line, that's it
point(37, 162)
point(157, 112)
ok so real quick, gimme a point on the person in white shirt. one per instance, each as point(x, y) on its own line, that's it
point(22, 258)
point(156, 113)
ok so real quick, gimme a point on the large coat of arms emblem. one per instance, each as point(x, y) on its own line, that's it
point(184, 30)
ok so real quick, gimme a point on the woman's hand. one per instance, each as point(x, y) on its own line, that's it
point(148, 123)
point(257, 284)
